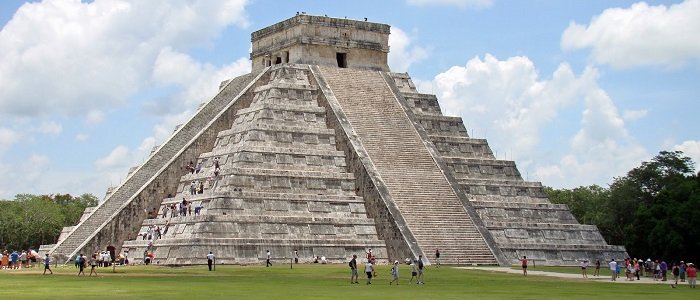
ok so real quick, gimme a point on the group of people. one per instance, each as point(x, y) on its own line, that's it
point(417, 268)
point(97, 259)
point(18, 260)
point(181, 209)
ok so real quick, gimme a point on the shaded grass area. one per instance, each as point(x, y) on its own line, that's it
point(309, 282)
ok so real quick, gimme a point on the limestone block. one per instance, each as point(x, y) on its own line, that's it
point(276, 205)
point(321, 229)
point(357, 208)
point(314, 160)
point(280, 182)
point(516, 233)
point(363, 229)
point(299, 206)
point(274, 228)
point(319, 207)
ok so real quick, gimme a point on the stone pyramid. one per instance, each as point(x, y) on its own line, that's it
point(322, 149)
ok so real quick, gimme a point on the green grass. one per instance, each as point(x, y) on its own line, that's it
point(310, 282)
point(566, 270)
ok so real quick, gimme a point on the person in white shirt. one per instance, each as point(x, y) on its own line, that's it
point(268, 263)
point(613, 269)
point(210, 259)
point(369, 269)
point(395, 273)
point(584, 266)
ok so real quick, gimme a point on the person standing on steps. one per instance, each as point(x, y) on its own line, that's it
point(437, 258)
point(353, 269)
point(47, 264)
point(210, 259)
point(523, 264)
point(268, 263)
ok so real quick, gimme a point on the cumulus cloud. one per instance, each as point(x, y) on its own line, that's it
point(508, 102)
point(118, 158)
point(81, 137)
point(457, 3)
point(402, 55)
point(641, 35)
point(50, 128)
point(633, 115)
point(691, 149)
point(88, 56)
point(8, 137)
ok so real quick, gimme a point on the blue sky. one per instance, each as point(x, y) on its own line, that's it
point(576, 92)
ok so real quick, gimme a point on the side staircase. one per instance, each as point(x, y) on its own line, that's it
point(428, 203)
point(114, 203)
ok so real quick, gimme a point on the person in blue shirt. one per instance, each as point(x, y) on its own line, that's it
point(47, 264)
point(13, 260)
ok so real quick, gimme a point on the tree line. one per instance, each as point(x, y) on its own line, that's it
point(32, 220)
point(654, 210)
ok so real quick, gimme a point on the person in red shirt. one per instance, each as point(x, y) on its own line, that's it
point(524, 265)
point(692, 274)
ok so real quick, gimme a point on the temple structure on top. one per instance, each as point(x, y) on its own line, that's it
point(321, 151)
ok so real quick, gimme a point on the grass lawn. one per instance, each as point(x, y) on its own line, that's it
point(310, 282)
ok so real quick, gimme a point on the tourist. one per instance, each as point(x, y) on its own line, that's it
point(597, 268)
point(613, 269)
point(268, 263)
point(630, 270)
point(23, 259)
point(126, 257)
point(5, 261)
point(165, 211)
point(47, 264)
point(200, 190)
point(414, 272)
point(353, 269)
point(676, 271)
point(81, 265)
point(296, 257)
point(664, 269)
point(193, 188)
point(420, 279)
point(14, 257)
point(198, 168)
point(692, 274)
point(210, 259)
point(584, 266)
point(77, 261)
point(369, 253)
point(437, 258)
point(682, 268)
point(369, 269)
point(93, 265)
point(523, 264)
point(395, 273)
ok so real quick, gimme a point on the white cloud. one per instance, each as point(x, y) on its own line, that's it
point(690, 149)
point(401, 54)
point(94, 117)
point(633, 115)
point(34, 167)
point(118, 158)
point(50, 128)
point(458, 3)
point(81, 137)
point(508, 102)
point(8, 137)
point(89, 56)
point(641, 35)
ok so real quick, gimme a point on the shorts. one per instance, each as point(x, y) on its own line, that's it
point(583, 268)
point(524, 267)
point(353, 272)
point(46, 267)
point(691, 280)
point(369, 275)
point(414, 274)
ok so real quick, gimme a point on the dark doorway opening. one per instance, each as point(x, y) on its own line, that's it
point(278, 60)
point(342, 60)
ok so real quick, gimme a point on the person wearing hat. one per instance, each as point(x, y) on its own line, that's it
point(395, 273)
point(692, 274)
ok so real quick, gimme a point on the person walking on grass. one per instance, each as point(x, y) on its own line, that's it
point(81, 265)
point(420, 270)
point(692, 274)
point(268, 263)
point(210, 259)
point(584, 266)
point(395, 273)
point(47, 264)
point(597, 268)
point(437, 258)
point(414, 272)
point(93, 265)
point(523, 264)
point(353, 269)
point(369, 270)
point(613, 269)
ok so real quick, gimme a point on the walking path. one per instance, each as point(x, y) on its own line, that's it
point(602, 278)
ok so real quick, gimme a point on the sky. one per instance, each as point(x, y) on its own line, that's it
point(575, 92)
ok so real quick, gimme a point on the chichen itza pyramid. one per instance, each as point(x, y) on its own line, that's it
point(322, 149)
